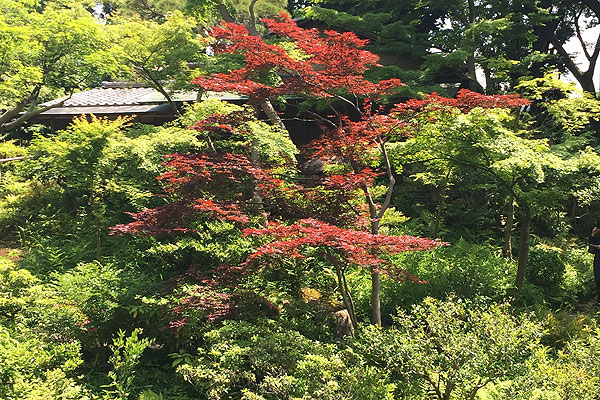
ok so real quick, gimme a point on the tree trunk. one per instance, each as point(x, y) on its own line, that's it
point(523, 248)
point(343, 287)
point(489, 83)
point(98, 245)
point(224, 12)
point(376, 216)
point(375, 283)
point(474, 84)
point(508, 227)
point(271, 113)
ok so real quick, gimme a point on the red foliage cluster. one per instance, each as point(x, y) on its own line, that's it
point(465, 101)
point(357, 247)
point(214, 172)
point(216, 296)
point(213, 295)
point(170, 218)
point(226, 212)
point(332, 62)
point(220, 124)
point(352, 180)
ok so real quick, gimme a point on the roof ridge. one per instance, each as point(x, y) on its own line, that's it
point(124, 85)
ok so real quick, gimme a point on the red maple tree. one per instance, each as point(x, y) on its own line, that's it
point(355, 131)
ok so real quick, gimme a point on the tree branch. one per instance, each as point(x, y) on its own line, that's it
point(391, 180)
point(252, 21)
point(225, 14)
point(580, 38)
point(12, 112)
point(32, 112)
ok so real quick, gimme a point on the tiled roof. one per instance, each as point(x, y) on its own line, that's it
point(122, 98)
point(116, 98)
point(112, 109)
point(109, 97)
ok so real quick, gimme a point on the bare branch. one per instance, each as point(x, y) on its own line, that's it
point(580, 37)
point(32, 112)
point(12, 159)
point(252, 21)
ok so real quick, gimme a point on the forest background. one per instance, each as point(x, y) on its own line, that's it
point(262, 265)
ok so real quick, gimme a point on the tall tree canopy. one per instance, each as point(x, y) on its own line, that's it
point(506, 40)
point(47, 52)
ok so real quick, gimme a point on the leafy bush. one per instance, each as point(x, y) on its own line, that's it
point(443, 348)
point(125, 358)
point(242, 360)
point(37, 346)
point(462, 269)
point(105, 295)
point(578, 281)
point(572, 373)
point(545, 267)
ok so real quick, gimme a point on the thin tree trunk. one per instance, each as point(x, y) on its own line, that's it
point(489, 83)
point(271, 113)
point(523, 248)
point(375, 277)
point(343, 287)
point(508, 227)
point(98, 244)
point(352, 309)
point(375, 218)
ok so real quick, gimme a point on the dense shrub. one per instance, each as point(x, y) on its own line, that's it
point(38, 348)
point(262, 360)
point(463, 269)
point(545, 268)
point(572, 373)
point(452, 348)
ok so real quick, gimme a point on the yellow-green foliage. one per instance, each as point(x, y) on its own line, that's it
point(241, 360)
point(573, 111)
point(36, 344)
point(272, 144)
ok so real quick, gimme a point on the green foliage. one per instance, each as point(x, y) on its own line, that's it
point(101, 293)
point(577, 281)
point(546, 268)
point(272, 144)
point(462, 269)
point(571, 373)
point(48, 51)
point(269, 142)
point(559, 278)
point(451, 347)
point(37, 346)
point(53, 385)
point(159, 54)
point(569, 108)
point(80, 182)
point(242, 360)
point(125, 358)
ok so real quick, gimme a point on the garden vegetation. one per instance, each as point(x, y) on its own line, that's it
point(413, 245)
